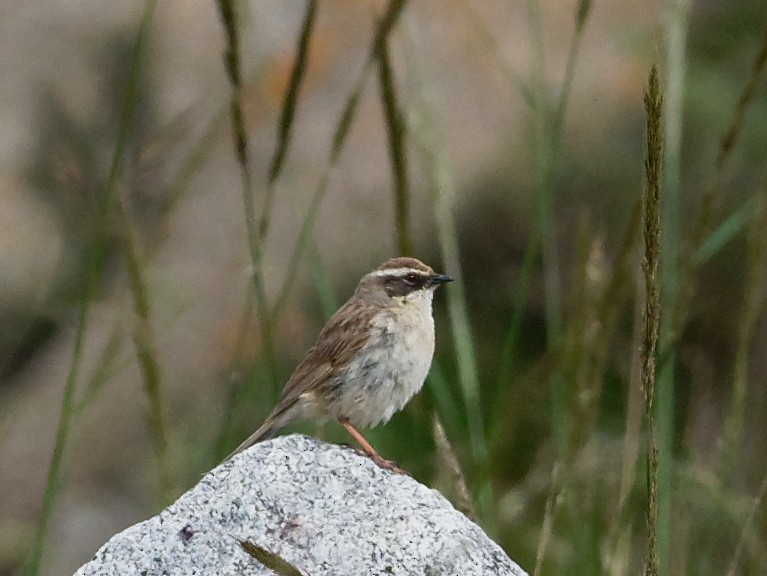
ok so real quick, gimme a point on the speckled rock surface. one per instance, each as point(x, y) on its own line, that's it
point(325, 509)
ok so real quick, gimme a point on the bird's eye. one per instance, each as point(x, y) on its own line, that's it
point(411, 278)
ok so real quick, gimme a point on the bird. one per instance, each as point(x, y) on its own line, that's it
point(371, 357)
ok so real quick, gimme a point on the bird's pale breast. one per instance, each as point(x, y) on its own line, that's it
point(392, 366)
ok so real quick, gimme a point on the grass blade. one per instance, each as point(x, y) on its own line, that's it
point(733, 225)
point(273, 561)
point(749, 315)
point(146, 349)
point(731, 136)
point(443, 191)
point(479, 27)
point(290, 103)
point(395, 127)
point(755, 507)
point(385, 26)
point(232, 62)
point(95, 266)
point(702, 239)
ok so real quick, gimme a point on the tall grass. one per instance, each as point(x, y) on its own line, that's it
point(303, 241)
point(753, 298)
point(256, 233)
point(146, 348)
point(670, 241)
point(385, 25)
point(94, 271)
point(579, 499)
point(650, 266)
point(395, 126)
point(547, 143)
point(442, 190)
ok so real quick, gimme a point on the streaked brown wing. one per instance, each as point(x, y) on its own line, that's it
point(321, 375)
point(344, 334)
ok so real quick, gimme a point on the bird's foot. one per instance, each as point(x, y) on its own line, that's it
point(390, 465)
point(369, 450)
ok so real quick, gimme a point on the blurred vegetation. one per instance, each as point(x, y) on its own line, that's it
point(532, 415)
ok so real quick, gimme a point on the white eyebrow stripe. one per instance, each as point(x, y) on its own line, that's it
point(397, 272)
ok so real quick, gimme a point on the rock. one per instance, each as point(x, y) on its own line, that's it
point(325, 509)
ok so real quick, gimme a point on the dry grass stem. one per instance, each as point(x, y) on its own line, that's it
point(449, 460)
point(552, 501)
point(651, 234)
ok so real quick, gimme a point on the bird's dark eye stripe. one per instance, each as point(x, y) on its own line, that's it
point(412, 278)
point(399, 285)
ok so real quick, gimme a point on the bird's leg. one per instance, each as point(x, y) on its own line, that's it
point(367, 448)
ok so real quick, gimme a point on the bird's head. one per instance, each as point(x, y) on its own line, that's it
point(406, 278)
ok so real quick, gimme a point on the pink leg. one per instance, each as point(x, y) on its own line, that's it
point(367, 448)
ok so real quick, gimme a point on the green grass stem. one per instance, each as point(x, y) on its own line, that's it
point(146, 349)
point(583, 346)
point(511, 339)
point(385, 26)
point(736, 127)
point(480, 28)
point(548, 125)
point(287, 116)
point(705, 239)
point(445, 399)
point(395, 127)
point(547, 143)
point(232, 62)
point(727, 231)
point(620, 528)
point(95, 267)
point(323, 283)
point(442, 189)
point(753, 297)
point(289, 105)
point(274, 562)
point(677, 27)
point(108, 365)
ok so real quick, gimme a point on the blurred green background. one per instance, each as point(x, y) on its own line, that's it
point(505, 146)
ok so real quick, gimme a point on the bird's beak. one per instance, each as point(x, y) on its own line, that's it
point(438, 279)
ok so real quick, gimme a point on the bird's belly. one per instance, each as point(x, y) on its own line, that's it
point(384, 376)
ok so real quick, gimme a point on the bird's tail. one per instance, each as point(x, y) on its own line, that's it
point(267, 430)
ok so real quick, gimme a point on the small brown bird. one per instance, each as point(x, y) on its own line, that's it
point(370, 358)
